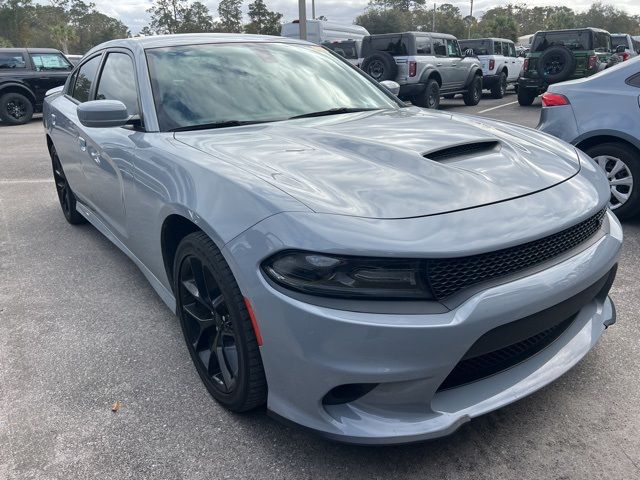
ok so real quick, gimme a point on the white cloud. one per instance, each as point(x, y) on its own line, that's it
point(133, 12)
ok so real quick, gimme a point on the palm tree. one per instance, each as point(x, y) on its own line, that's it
point(62, 35)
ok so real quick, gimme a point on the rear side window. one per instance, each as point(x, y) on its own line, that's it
point(393, 45)
point(573, 40)
point(453, 50)
point(497, 48)
point(86, 77)
point(12, 60)
point(423, 46)
point(118, 82)
point(439, 47)
point(634, 81)
point(50, 61)
point(601, 42)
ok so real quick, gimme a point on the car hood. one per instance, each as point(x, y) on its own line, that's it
point(393, 163)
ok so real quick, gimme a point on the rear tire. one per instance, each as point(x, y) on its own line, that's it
point(500, 88)
point(525, 97)
point(216, 325)
point(430, 97)
point(621, 164)
point(380, 66)
point(473, 95)
point(65, 194)
point(15, 109)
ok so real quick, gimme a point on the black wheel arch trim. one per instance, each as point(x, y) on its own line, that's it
point(19, 85)
point(429, 73)
point(475, 71)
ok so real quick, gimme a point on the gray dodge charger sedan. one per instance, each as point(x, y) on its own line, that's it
point(374, 272)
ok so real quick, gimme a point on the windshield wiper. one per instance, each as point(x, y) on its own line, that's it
point(223, 124)
point(334, 111)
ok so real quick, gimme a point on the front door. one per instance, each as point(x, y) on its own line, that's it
point(459, 70)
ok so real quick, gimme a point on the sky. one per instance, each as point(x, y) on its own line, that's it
point(133, 12)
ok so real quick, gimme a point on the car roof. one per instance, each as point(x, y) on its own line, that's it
point(495, 39)
point(592, 29)
point(159, 41)
point(437, 34)
point(31, 50)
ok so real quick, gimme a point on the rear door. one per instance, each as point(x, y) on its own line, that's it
point(443, 63)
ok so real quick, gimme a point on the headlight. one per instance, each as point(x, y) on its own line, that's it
point(352, 277)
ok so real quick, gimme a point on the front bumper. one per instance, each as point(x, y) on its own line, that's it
point(309, 349)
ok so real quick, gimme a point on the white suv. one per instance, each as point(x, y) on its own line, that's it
point(501, 65)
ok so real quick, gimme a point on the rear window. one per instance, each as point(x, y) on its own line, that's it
point(395, 45)
point(346, 49)
point(619, 40)
point(573, 40)
point(11, 60)
point(479, 47)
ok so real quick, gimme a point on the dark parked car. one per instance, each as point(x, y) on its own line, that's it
point(561, 55)
point(25, 76)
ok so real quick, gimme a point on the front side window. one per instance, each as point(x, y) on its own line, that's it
point(197, 85)
point(50, 61)
point(85, 79)
point(118, 82)
point(439, 47)
point(12, 60)
point(453, 49)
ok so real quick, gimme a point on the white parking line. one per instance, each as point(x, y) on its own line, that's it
point(25, 180)
point(499, 106)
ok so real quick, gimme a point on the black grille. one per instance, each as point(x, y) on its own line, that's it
point(450, 275)
point(459, 150)
point(475, 368)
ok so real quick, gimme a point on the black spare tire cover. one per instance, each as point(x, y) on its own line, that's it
point(381, 66)
point(556, 64)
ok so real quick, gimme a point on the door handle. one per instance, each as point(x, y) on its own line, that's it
point(454, 64)
point(438, 64)
point(83, 144)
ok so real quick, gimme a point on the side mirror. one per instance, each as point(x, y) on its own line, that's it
point(392, 86)
point(621, 49)
point(103, 114)
point(55, 90)
point(468, 52)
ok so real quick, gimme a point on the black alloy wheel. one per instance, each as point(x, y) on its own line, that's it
point(15, 109)
point(216, 325)
point(65, 194)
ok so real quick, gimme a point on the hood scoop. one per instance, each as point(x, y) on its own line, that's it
point(464, 150)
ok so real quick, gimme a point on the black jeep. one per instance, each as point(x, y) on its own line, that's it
point(25, 76)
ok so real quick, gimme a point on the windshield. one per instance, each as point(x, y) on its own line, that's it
point(619, 40)
point(573, 40)
point(254, 82)
point(480, 47)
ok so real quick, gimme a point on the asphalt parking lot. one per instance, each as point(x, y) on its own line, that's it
point(80, 329)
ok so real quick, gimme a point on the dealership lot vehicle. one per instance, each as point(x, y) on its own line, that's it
point(425, 65)
point(608, 130)
point(290, 282)
point(25, 76)
point(501, 65)
point(560, 55)
point(320, 31)
point(631, 46)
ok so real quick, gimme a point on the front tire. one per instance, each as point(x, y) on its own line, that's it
point(15, 109)
point(621, 164)
point(499, 89)
point(216, 325)
point(65, 194)
point(472, 96)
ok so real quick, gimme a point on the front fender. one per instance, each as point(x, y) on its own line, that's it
point(20, 85)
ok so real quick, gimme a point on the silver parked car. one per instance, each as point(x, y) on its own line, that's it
point(375, 272)
point(601, 115)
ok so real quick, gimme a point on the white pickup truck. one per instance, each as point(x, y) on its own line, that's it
point(501, 65)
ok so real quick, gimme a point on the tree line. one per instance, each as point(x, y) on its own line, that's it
point(73, 26)
point(183, 16)
point(510, 21)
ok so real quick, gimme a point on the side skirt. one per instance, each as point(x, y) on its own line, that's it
point(166, 296)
